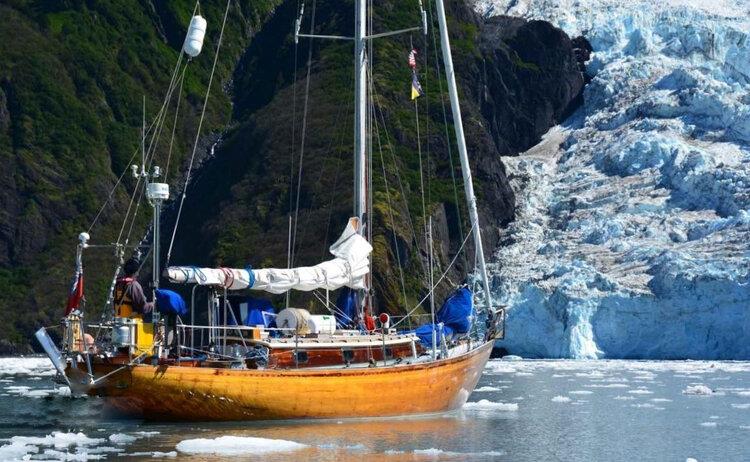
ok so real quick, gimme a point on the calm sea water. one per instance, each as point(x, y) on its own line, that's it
point(522, 411)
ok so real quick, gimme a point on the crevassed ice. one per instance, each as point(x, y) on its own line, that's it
point(632, 231)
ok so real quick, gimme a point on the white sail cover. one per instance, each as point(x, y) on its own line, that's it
point(349, 268)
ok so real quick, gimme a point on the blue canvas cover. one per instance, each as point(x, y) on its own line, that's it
point(347, 307)
point(255, 309)
point(170, 302)
point(456, 310)
point(425, 334)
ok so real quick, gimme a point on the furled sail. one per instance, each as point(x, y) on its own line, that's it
point(349, 269)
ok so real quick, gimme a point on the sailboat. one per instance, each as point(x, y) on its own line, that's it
point(299, 365)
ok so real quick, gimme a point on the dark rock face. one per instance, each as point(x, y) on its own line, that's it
point(532, 76)
point(517, 79)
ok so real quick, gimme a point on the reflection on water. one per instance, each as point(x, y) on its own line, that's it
point(528, 410)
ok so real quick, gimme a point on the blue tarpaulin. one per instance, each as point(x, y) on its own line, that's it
point(347, 307)
point(425, 334)
point(456, 310)
point(170, 302)
point(252, 309)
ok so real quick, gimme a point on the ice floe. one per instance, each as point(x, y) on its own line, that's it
point(560, 399)
point(57, 445)
point(26, 366)
point(486, 405)
point(487, 388)
point(701, 390)
point(237, 445)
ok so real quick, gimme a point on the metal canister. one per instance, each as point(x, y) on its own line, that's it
point(122, 333)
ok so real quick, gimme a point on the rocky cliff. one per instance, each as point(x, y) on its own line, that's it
point(68, 143)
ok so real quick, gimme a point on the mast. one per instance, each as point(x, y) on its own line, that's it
point(360, 110)
point(360, 131)
point(471, 199)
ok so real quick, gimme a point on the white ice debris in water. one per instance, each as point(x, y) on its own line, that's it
point(24, 447)
point(741, 406)
point(153, 455)
point(26, 367)
point(580, 392)
point(486, 405)
point(637, 211)
point(237, 445)
point(708, 424)
point(28, 392)
point(640, 391)
point(697, 390)
point(122, 438)
point(482, 389)
point(561, 399)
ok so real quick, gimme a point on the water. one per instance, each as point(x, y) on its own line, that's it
point(522, 411)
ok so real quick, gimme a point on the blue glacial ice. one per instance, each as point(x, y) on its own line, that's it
point(632, 231)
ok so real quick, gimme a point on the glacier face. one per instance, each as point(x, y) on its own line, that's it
point(632, 232)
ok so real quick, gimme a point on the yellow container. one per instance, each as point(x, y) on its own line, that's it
point(144, 335)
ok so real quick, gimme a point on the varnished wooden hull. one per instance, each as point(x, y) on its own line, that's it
point(209, 394)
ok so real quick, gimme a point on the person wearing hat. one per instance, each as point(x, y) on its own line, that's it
point(129, 297)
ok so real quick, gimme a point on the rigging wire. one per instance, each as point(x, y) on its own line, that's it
point(336, 176)
point(198, 133)
point(390, 213)
point(448, 143)
point(303, 134)
point(174, 124)
point(442, 276)
point(293, 144)
point(421, 169)
point(410, 223)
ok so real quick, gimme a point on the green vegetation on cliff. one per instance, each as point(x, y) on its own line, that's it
point(72, 77)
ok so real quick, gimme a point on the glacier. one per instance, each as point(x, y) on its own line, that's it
point(632, 230)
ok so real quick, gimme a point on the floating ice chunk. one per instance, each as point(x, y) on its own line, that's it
point(661, 400)
point(59, 440)
point(708, 424)
point(561, 399)
point(31, 367)
point(147, 434)
point(607, 385)
point(481, 389)
point(486, 405)
point(640, 391)
point(742, 393)
point(741, 406)
point(511, 358)
point(429, 452)
point(154, 454)
point(690, 459)
point(237, 445)
point(122, 438)
point(624, 398)
point(580, 392)
point(17, 450)
point(700, 390)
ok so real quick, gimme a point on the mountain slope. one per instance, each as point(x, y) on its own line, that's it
point(512, 93)
point(72, 77)
point(636, 211)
